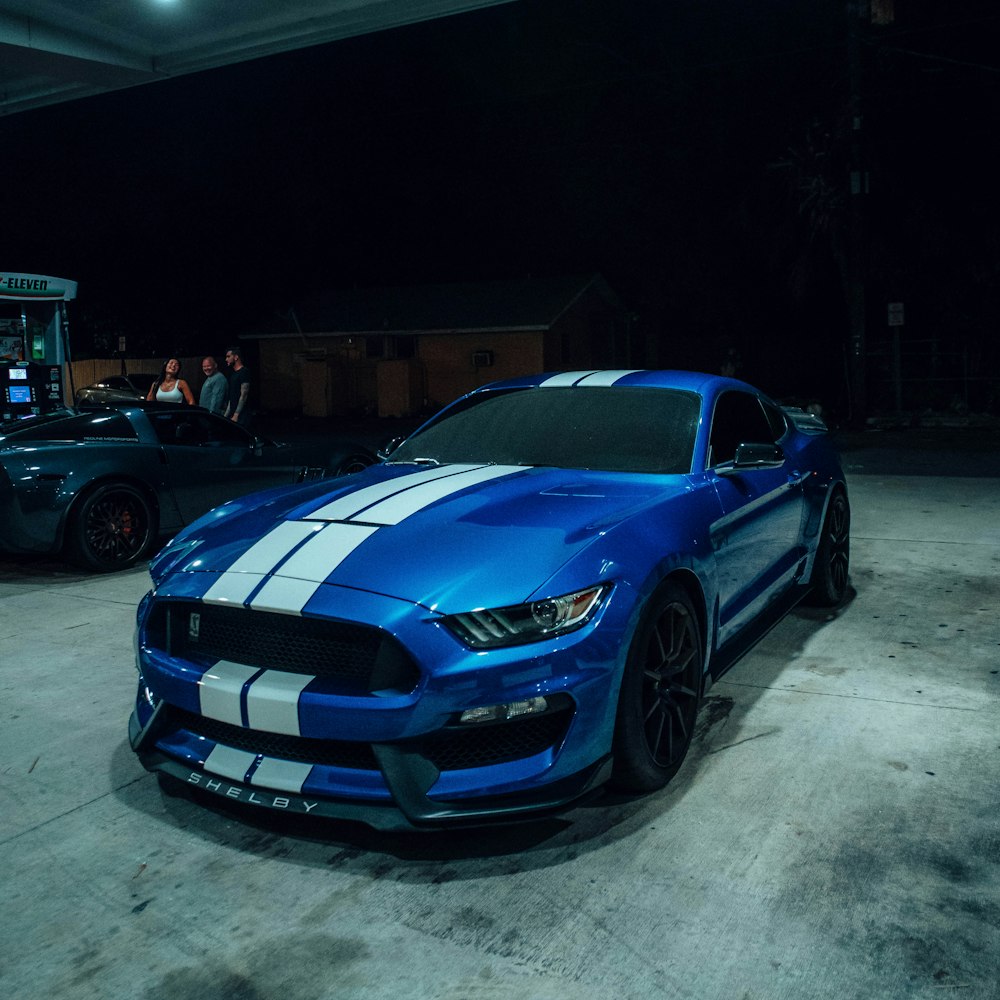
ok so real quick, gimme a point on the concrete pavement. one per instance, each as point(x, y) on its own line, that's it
point(834, 833)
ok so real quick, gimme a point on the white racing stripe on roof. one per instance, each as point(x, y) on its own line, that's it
point(219, 691)
point(344, 508)
point(565, 378)
point(608, 377)
point(403, 505)
point(273, 702)
point(229, 763)
point(283, 775)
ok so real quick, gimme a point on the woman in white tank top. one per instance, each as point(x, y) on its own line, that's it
point(170, 387)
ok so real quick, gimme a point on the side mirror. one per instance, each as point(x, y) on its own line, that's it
point(754, 455)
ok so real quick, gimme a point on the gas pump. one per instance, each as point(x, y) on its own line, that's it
point(34, 342)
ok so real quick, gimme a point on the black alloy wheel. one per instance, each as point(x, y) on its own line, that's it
point(112, 529)
point(833, 555)
point(660, 693)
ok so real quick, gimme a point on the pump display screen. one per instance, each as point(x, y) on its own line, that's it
point(18, 393)
point(18, 374)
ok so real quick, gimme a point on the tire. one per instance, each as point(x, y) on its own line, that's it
point(112, 528)
point(828, 583)
point(660, 693)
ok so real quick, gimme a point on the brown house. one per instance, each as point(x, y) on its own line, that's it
point(397, 351)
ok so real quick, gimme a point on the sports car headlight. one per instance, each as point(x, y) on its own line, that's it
point(527, 622)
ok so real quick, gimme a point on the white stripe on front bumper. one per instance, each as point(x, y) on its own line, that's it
point(273, 702)
point(283, 775)
point(219, 691)
point(229, 763)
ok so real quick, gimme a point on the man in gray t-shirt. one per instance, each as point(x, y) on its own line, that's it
point(215, 388)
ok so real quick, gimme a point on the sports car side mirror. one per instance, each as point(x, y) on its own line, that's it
point(753, 456)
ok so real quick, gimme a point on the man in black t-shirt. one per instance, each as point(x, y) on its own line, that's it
point(238, 403)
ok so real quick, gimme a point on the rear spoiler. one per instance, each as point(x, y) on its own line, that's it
point(807, 423)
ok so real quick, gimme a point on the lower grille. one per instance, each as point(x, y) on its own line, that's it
point(480, 746)
point(301, 749)
point(449, 750)
point(360, 658)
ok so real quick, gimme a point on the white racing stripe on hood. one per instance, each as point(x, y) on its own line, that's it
point(325, 551)
point(326, 547)
point(403, 505)
point(293, 583)
point(238, 582)
point(319, 548)
point(345, 508)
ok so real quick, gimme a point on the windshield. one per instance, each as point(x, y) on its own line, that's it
point(615, 428)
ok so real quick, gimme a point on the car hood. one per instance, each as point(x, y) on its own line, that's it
point(449, 538)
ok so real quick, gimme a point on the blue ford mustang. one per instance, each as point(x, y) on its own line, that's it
point(524, 602)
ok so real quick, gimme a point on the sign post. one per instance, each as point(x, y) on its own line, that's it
point(895, 318)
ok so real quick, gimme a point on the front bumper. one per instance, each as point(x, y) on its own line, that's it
point(308, 733)
point(407, 775)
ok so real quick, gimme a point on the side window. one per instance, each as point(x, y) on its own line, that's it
point(173, 428)
point(776, 419)
point(192, 429)
point(216, 431)
point(739, 418)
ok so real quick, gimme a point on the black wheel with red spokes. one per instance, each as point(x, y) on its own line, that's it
point(112, 528)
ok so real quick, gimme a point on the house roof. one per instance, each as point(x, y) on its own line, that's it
point(523, 304)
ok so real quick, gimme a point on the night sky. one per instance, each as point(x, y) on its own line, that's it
point(694, 152)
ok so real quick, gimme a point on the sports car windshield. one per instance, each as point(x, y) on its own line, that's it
point(614, 428)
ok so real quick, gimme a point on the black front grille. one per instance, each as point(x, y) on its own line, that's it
point(360, 658)
point(301, 749)
point(484, 744)
point(449, 750)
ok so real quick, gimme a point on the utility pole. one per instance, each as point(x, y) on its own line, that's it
point(857, 14)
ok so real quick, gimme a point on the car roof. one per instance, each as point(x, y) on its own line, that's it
point(702, 383)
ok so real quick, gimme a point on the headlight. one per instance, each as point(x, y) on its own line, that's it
point(527, 622)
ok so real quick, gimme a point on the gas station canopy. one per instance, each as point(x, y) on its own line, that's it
point(59, 50)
